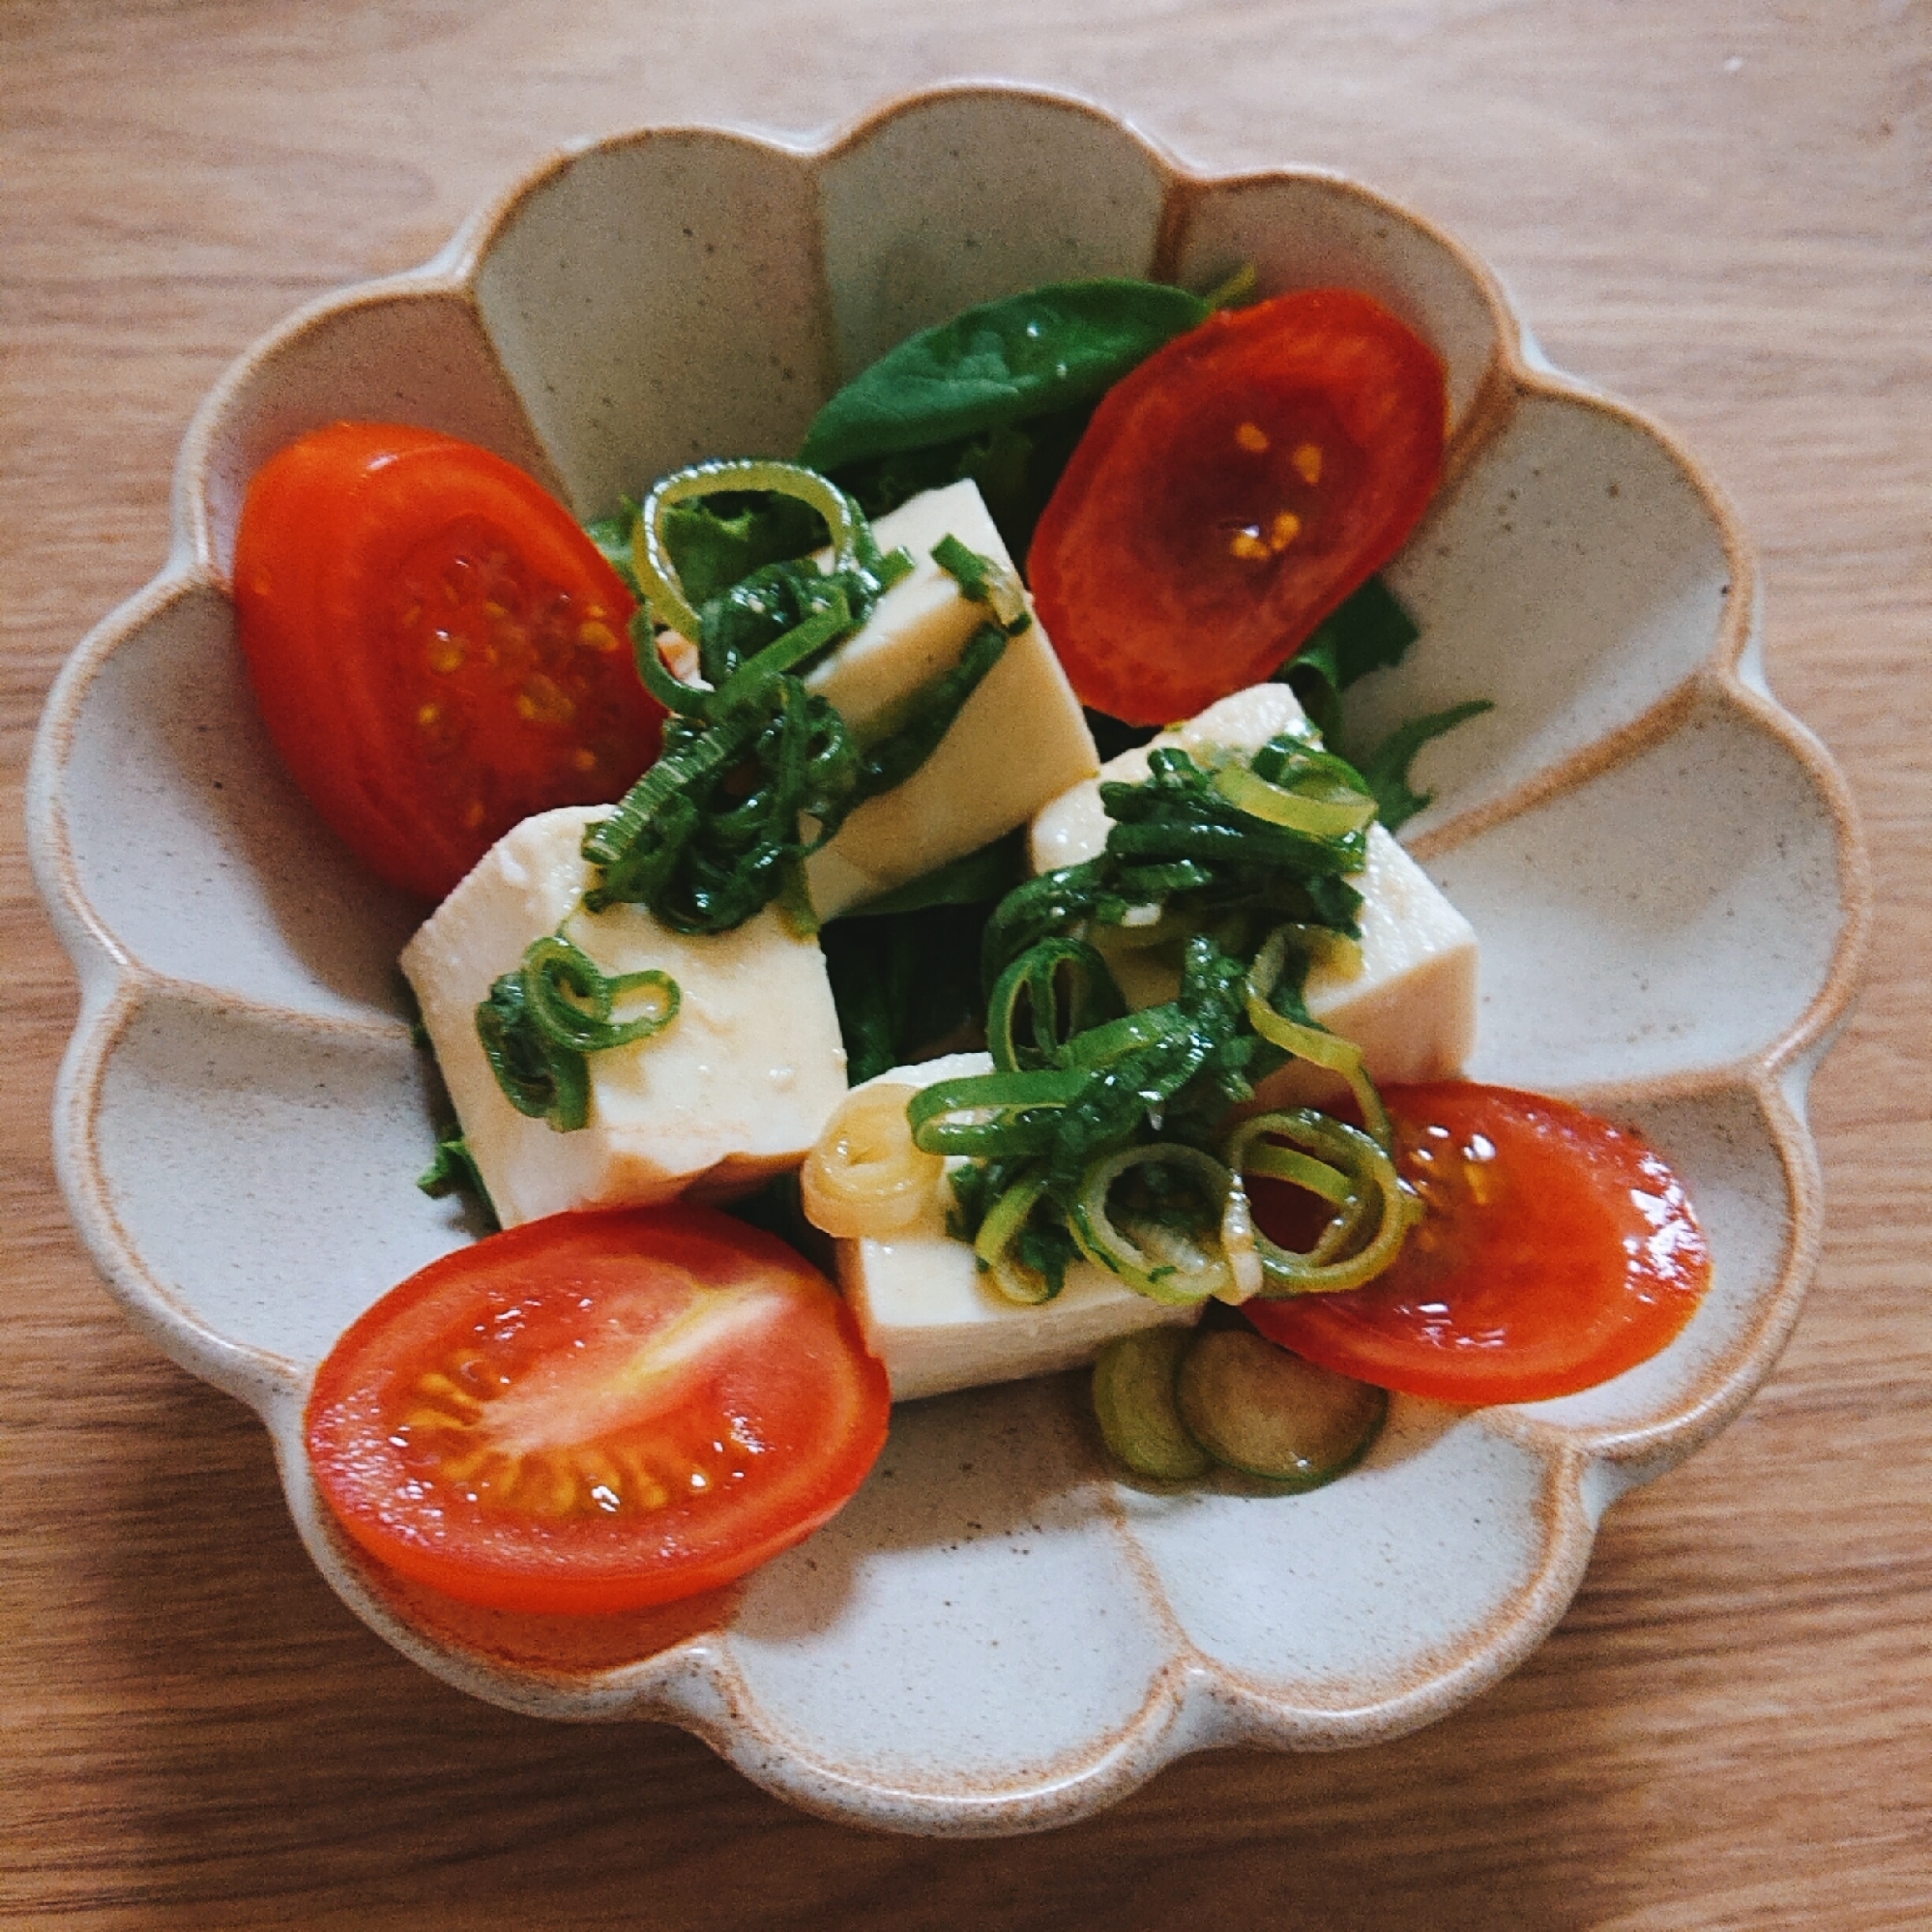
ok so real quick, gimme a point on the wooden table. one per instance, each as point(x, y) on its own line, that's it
point(1719, 211)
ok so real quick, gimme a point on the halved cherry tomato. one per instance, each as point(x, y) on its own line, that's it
point(597, 1412)
point(439, 651)
point(1230, 493)
point(1558, 1250)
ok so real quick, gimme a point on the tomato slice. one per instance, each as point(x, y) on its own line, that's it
point(1558, 1250)
point(597, 1412)
point(1230, 493)
point(438, 650)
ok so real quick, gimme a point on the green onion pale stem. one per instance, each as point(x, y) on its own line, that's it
point(1332, 812)
point(1313, 1044)
point(993, 1246)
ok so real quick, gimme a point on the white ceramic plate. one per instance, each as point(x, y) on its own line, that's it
point(994, 1636)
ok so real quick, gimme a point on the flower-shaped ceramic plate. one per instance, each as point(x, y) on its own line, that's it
point(995, 1635)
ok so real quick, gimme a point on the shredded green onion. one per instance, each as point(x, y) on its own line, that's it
point(1108, 1121)
point(985, 580)
point(758, 771)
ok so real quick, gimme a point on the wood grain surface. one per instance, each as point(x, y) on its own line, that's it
point(1720, 210)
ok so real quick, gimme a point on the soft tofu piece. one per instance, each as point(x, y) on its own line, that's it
point(738, 1086)
point(1409, 1000)
point(1019, 741)
point(936, 1321)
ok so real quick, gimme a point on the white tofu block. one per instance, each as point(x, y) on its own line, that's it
point(938, 1324)
point(1409, 997)
point(1019, 741)
point(738, 1085)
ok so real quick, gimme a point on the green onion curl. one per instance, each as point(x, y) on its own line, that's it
point(558, 974)
point(998, 1113)
point(1309, 1042)
point(1351, 1173)
point(663, 589)
point(1064, 988)
point(1154, 1256)
point(994, 1246)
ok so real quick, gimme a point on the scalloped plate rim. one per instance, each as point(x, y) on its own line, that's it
point(1193, 1703)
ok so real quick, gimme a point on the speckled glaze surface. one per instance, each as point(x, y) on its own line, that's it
point(996, 1635)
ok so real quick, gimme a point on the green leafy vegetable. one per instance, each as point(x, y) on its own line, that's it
point(1000, 393)
point(998, 364)
point(1370, 632)
point(612, 536)
point(906, 985)
point(719, 541)
point(1386, 768)
point(980, 878)
point(905, 968)
point(1016, 468)
point(454, 1171)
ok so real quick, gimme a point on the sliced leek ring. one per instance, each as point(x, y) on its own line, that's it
point(1157, 1261)
point(1374, 1211)
point(864, 1179)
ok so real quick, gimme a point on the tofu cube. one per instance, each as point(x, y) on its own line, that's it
point(1019, 741)
point(1408, 998)
point(938, 1324)
point(737, 1087)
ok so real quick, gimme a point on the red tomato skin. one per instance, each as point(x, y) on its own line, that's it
point(1584, 1258)
point(797, 1383)
point(1134, 565)
point(412, 610)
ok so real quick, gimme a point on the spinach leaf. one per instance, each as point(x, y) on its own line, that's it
point(454, 1171)
point(980, 878)
point(612, 536)
point(905, 983)
point(1003, 362)
point(905, 969)
point(1386, 768)
point(1015, 467)
point(1369, 631)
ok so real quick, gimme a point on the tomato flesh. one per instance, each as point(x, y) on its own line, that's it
point(597, 1412)
point(437, 648)
point(1557, 1251)
point(1230, 493)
